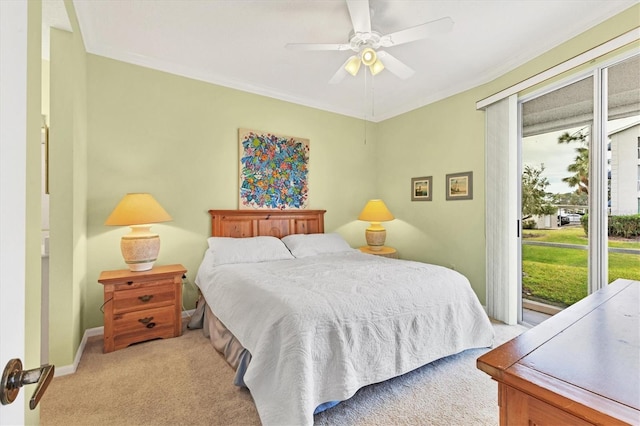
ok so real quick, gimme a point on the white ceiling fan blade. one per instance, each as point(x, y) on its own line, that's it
point(342, 72)
point(394, 65)
point(418, 32)
point(317, 46)
point(360, 16)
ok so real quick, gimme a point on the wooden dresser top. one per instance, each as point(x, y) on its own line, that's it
point(156, 273)
point(588, 354)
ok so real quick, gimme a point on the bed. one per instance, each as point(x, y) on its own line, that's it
point(306, 320)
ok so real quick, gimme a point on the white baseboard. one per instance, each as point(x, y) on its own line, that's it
point(90, 332)
point(70, 369)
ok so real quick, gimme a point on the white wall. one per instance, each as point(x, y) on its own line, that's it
point(624, 171)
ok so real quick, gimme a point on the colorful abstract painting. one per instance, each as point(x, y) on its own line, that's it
point(274, 171)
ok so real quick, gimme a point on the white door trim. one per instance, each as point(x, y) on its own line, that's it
point(13, 152)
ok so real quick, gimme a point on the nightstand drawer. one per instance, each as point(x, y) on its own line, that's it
point(146, 296)
point(140, 306)
point(143, 325)
point(138, 283)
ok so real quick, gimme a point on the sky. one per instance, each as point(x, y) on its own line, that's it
point(556, 157)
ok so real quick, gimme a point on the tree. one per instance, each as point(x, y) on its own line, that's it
point(535, 199)
point(580, 166)
point(570, 199)
point(581, 169)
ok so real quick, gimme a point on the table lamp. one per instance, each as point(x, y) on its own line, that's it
point(375, 211)
point(140, 247)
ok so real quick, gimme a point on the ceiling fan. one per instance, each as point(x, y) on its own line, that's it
point(365, 42)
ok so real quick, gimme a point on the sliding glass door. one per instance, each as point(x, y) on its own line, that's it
point(623, 167)
point(579, 188)
point(555, 145)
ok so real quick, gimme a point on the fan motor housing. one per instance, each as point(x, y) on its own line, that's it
point(359, 41)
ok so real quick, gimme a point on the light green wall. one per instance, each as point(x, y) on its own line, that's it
point(63, 330)
point(177, 138)
point(32, 221)
point(448, 137)
point(45, 89)
point(78, 72)
point(68, 193)
point(432, 142)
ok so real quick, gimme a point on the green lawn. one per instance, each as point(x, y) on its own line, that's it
point(559, 275)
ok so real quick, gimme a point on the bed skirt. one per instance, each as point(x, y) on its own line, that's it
point(221, 339)
point(236, 355)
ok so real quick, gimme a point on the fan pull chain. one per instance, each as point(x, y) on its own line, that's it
point(366, 98)
point(365, 106)
point(373, 104)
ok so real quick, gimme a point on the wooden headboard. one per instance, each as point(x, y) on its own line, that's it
point(276, 223)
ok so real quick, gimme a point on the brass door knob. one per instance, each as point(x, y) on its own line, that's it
point(14, 377)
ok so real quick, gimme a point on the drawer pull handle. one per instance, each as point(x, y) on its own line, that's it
point(146, 320)
point(146, 298)
point(129, 282)
point(151, 325)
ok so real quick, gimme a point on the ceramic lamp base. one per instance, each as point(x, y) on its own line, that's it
point(375, 238)
point(140, 248)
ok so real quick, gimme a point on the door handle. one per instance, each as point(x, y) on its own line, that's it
point(14, 377)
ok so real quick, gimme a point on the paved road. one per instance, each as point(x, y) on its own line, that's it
point(580, 247)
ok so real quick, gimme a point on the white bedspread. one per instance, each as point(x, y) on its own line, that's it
point(320, 328)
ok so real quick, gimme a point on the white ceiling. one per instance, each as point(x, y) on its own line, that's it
point(240, 44)
point(54, 15)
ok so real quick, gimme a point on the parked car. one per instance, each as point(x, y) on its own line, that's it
point(569, 219)
point(574, 218)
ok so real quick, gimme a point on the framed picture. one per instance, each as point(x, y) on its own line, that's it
point(274, 171)
point(460, 186)
point(421, 188)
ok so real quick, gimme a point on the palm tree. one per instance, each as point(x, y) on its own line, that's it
point(580, 167)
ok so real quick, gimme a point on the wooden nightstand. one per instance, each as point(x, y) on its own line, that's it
point(384, 251)
point(141, 306)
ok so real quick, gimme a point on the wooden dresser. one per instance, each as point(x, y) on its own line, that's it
point(579, 367)
point(140, 306)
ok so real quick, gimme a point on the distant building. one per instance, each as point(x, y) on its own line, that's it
point(624, 147)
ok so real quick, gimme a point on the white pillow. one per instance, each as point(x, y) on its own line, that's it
point(305, 245)
point(247, 250)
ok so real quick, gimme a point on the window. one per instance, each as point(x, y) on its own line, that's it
point(599, 114)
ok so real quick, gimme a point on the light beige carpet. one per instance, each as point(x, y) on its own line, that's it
point(183, 381)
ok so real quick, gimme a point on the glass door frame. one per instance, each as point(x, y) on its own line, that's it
point(597, 264)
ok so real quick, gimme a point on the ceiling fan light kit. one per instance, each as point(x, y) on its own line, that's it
point(368, 56)
point(353, 65)
point(376, 67)
point(365, 42)
point(370, 59)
